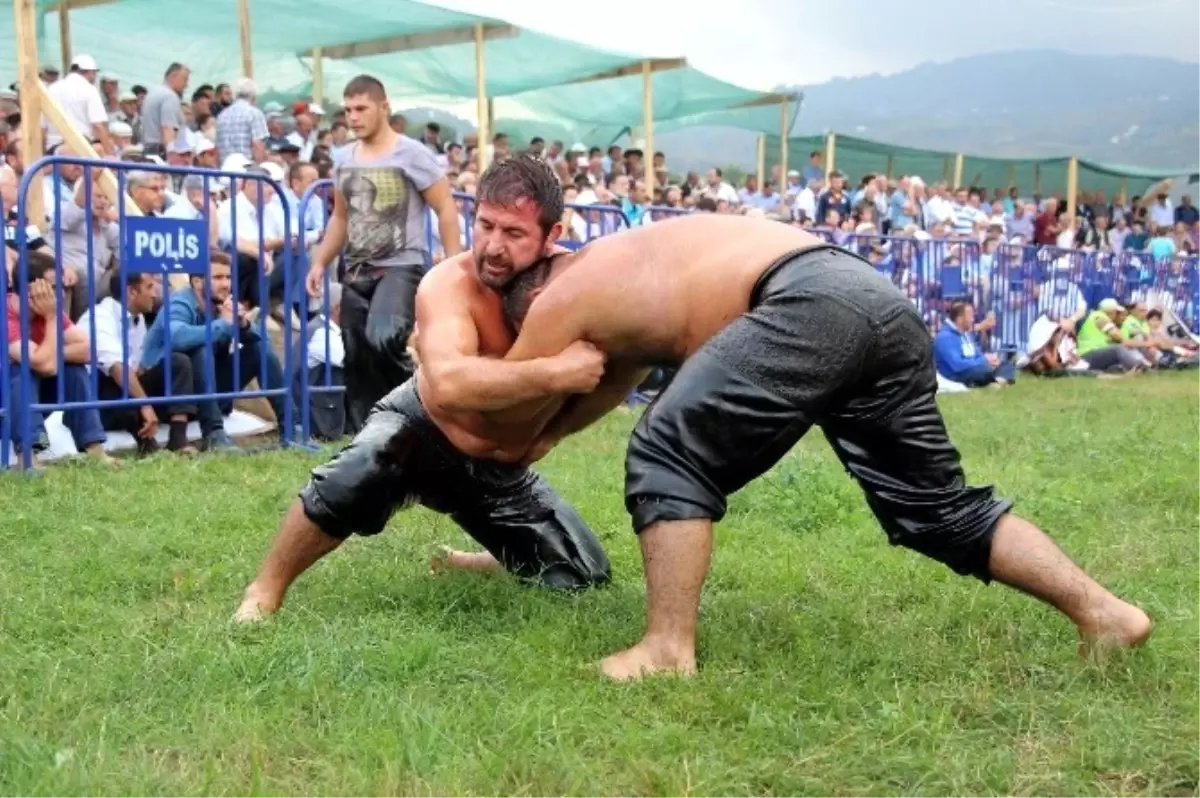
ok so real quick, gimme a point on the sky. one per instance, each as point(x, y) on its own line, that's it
point(762, 43)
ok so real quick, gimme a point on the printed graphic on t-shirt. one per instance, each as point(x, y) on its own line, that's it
point(377, 200)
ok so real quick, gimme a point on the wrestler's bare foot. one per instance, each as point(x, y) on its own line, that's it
point(1116, 625)
point(256, 606)
point(648, 658)
point(448, 559)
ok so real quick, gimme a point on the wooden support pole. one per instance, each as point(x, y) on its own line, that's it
point(1011, 176)
point(890, 160)
point(784, 132)
point(32, 147)
point(958, 170)
point(1037, 179)
point(318, 76)
point(244, 33)
point(82, 148)
point(481, 101)
point(1123, 189)
point(1072, 186)
point(64, 35)
point(830, 154)
point(760, 161)
point(648, 124)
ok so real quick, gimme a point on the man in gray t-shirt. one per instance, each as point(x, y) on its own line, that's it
point(384, 204)
point(162, 111)
point(384, 186)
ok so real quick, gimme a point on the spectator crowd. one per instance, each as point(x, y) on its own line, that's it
point(1006, 282)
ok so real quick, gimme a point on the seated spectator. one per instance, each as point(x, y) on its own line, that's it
point(193, 317)
point(1051, 350)
point(249, 236)
point(1101, 344)
point(1176, 350)
point(1162, 245)
point(48, 331)
point(34, 239)
point(957, 356)
point(120, 334)
point(1136, 240)
point(1134, 328)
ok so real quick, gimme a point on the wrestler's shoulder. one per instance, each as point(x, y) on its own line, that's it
point(456, 268)
point(455, 274)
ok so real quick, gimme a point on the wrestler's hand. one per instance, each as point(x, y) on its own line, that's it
point(581, 366)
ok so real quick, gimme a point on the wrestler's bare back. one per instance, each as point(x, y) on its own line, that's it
point(658, 293)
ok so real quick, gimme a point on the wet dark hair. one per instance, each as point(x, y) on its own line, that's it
point(510, 180)
point(522, 289)
point(1154, 313)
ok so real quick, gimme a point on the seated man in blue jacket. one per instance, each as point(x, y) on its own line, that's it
point(958, 357)
point(188, 313)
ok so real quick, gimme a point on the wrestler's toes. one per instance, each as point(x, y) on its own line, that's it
point(647, 660)
point(255, 607)
point(248, 612)
point(441, 560)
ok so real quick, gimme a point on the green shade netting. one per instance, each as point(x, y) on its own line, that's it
point(135, 40)
point(857, 157)
point(512, 65)
point(679, 94)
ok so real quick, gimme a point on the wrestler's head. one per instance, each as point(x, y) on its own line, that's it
point(367, 108)
point(524, 287)
point(518, 217)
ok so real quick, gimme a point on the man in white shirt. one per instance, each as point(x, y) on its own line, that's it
point(249, 237)
point(190, 204)
point(80, 99)
point(118, 329)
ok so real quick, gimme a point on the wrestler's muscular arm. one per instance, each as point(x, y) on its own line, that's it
point(544, 330)
point(459, 379)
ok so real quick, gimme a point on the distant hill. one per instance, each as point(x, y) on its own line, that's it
point(1121, 109)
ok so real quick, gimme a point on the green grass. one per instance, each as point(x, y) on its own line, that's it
point(831, 663)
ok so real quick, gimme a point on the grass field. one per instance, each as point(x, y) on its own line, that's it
point(831, 663)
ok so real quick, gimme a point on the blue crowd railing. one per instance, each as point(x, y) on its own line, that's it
point(1011, 283)
point(318, 194)
point(6, 363)
point(177, 245)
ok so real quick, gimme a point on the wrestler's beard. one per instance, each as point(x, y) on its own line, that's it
point(492, 280)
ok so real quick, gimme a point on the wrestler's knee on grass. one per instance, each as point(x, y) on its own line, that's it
point(364, 484)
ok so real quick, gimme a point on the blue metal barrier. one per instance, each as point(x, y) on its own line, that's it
point(656, 213)
point(6, 363)
point(1013, 284)
point(595, 221)
point(177, 245)
point(319, 191)
point(1017, 284)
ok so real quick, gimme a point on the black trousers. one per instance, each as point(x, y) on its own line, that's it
point(400, 457)
point(153, 381)
point(827, 342)
point(379, 309)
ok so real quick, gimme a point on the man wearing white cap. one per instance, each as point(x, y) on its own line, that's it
point(205, 152)
point(122, 135)
point(80, 100)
